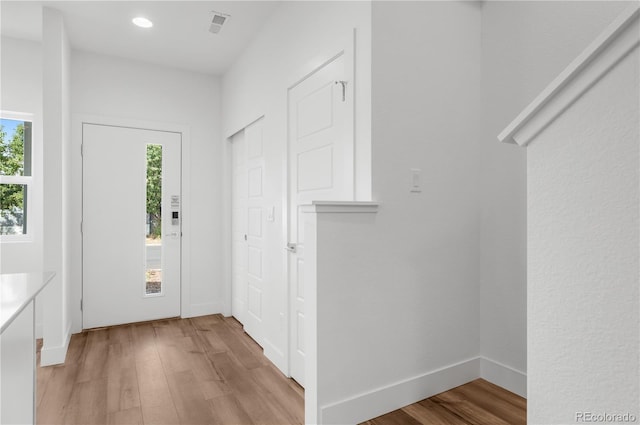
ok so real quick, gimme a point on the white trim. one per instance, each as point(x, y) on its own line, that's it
point(50, 356)
point(274, 354)
point(236, 131)
point(185, 267)
point(204, 309)
point(350, 207)
point(369, 405)
point(622, 36)
point(227, 220)
point(504, 376)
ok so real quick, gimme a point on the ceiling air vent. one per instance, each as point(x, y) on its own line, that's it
point(217, 22)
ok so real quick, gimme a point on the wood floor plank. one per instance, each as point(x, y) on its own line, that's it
point(42, 380)
point(470, 412)
point(237, 348)
point(429, 413)
point(160, 414)
point(132, 416)
point(173, 355)
point(152, 382)
point(55, 397)
point(214, 388)
point(245, 390)
point(54, 404)
point(227, 410)
point(122, 380)
point(476, 403)
point(203, 323)
point(122, 333)
point(495, 402)
point(191, 406)
point(394, 418)
point(122, 390)
point(87, 404)
point(94, 361)
point(285, 397)
point(210, 342)
point(484, 386)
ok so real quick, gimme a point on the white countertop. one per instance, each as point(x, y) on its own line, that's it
point(16, 291)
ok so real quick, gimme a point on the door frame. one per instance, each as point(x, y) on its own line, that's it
point(78, 120)
point(344, 44)
point(345, 48)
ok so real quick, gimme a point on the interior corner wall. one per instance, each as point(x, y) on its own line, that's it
point(423, 283)
point(56, 199)
point(115, 88)
point(296, 39)
point(525, 45)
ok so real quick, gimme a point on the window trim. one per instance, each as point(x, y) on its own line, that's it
point(28, 181)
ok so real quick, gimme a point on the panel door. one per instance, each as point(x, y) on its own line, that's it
point(248, 229)
point(239, 228)
point(131, 225)
point(321, 167)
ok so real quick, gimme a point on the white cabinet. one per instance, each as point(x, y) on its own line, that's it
point(17, 345)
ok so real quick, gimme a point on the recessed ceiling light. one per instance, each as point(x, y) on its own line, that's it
point(142, 22)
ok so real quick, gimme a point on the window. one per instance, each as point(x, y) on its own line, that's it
point(15, 175)
point(153, 244)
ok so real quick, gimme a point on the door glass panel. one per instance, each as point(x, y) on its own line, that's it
point(153, 242)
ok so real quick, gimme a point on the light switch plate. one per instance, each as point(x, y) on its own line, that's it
point(415, 180)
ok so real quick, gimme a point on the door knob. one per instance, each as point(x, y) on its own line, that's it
point(291, 247)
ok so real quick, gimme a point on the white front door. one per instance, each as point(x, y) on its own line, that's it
point(130, 225)
point(321, 167)
point(248, 229)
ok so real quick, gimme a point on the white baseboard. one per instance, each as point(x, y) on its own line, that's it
point(386, 399)
point(275, 356)
point(504, 376)
point(50, 356)
point(203, 309)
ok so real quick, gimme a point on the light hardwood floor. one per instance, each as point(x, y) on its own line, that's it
point(206, 370)
point(476, 403)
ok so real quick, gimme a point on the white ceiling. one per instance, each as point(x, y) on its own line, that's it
point(180, 36)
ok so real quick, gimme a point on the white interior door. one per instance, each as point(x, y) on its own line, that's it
point(321, 167)
point(131, 225)
point(248, 229)
point(239, 228)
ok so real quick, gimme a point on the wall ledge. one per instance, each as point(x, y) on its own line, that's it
point(320, 207)
point(602, 55)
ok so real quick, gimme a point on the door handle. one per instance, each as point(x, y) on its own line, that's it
point(172, 234)
point(291, 247)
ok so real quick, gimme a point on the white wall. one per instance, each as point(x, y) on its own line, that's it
point(21, 82)
point(397, 305)
point(115, 88)
point(298, 38)
point(584, 254)
point(56, 187)
point(524, 46)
